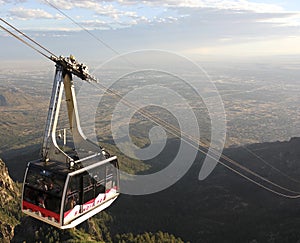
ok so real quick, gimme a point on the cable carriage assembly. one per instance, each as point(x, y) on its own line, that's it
point(66, 187)
point(61, 189)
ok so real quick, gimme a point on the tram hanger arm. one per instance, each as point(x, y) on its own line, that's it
point(78, 69)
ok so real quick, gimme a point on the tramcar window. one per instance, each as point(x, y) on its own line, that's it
point(73, 193)
point(74, 185)
point(30, 195)
point(98, 175)
point(45, 181)
point(88, 188)
point(42, 199)
point(114, 167)
point(52, 203)
point(109, 176)
point(44, 189)
point(71, 201)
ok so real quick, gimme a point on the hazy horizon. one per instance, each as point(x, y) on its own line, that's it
point(197, 28)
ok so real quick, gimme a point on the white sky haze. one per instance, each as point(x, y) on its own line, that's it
point(188, 27)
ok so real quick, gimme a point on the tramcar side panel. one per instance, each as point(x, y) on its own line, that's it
point(99, 188)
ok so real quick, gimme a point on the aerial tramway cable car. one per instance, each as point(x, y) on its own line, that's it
point(66, 187)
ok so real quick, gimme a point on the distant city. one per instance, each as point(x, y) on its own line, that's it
point(261, 101)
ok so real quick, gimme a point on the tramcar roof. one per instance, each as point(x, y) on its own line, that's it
point(82, 164)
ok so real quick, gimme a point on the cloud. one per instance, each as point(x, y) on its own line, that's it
point(112, 12)
point(240, 5)
point(200, 26)
point(25, 14)
point(15, 2)
point(207, 29)
point(12, 1)
point(98, 7)
point(268, 47)
point(105, 25)
point(121, 10)
point(288, 20)
point(240, 24)
point(96, 24)
point(118, 16)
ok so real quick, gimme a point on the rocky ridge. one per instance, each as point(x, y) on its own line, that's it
point(9, 204)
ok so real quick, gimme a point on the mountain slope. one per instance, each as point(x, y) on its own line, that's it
point(9, 204)
point(223, 208)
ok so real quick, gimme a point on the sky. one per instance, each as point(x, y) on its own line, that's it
point(193, 28)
